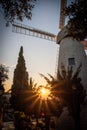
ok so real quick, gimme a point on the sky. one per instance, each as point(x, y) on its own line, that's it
point(40, 54)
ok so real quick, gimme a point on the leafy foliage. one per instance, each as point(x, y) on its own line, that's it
point(77, 24)
point(71, 92)
point(17, 9)
point(3, 75)
point(70, 89)
point(67, 91)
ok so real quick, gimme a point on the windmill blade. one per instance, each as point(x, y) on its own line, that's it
point(63, 4)
point(27, 30)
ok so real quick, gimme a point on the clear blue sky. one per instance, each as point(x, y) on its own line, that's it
point(40, 55)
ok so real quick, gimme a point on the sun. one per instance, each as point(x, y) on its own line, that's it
point(44, 92)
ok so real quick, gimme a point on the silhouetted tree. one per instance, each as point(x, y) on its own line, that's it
point(77, 24)
point(17, 9)
point(20, 80)
point(3, 77)
point(20, 83)
point(70, 91)
point(3, 74)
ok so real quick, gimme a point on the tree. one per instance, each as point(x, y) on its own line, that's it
point(17, 9)
point(77, 24)
point(3, 77)
point(20, 82)
point(70, 92)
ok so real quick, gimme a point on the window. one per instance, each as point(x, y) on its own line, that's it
point(71, 61)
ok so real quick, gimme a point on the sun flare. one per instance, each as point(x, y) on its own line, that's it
point(44, 92)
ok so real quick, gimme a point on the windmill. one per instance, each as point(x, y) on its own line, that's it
point(71, 53)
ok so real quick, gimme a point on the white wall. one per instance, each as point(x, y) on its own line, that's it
point(70, 48)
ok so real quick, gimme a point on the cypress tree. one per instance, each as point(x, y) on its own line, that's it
point(20, 85)
point(20, 80)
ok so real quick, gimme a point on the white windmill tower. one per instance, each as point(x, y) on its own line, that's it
point(71, 52)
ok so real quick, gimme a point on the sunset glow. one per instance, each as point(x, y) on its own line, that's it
point(44, 93)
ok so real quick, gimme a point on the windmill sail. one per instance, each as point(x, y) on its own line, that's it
point(27, 30)
point(63, 4)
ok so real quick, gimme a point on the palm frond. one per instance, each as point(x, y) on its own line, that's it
point(47, 79)
point(51, 77)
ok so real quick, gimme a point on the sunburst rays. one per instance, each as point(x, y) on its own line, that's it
point(38, 101)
